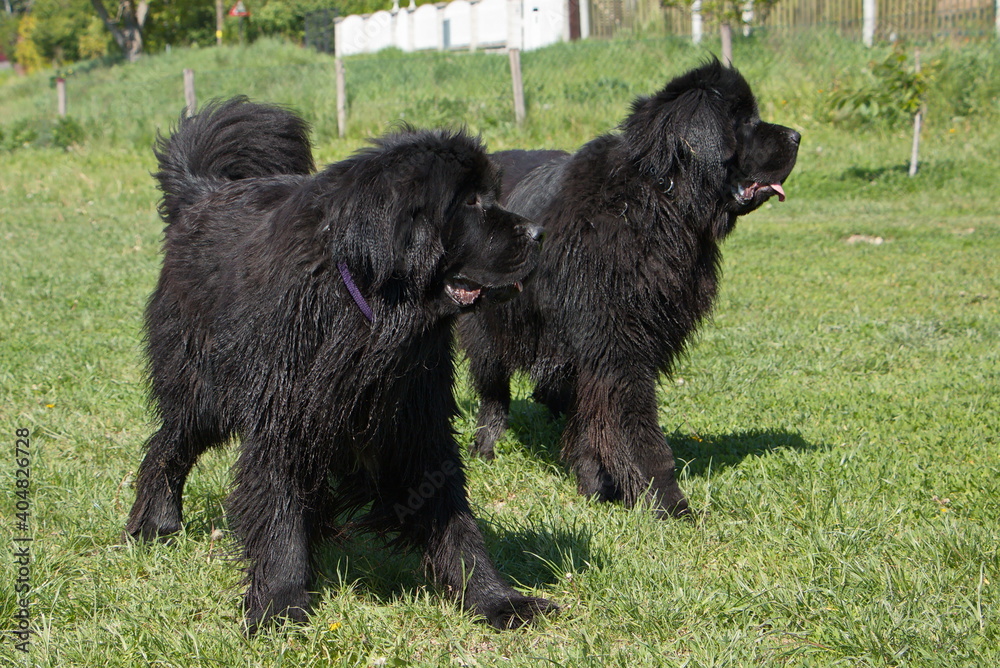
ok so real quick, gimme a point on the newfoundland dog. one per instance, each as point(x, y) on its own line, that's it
point(629, 268)
point(311, 316)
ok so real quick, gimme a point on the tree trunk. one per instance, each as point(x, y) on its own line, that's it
point(917, 120)
point(220, 17)
point(127, 30)
point(726, 34)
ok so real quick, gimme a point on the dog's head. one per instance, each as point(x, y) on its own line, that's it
point(703, 138)
point(424, 224)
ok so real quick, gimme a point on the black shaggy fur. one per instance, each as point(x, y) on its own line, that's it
point(629, 268)
point(252, 332)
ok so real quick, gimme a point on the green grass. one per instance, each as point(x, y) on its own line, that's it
point(837, 419)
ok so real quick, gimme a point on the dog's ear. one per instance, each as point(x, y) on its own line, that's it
point(404, 229)
point(387, 233)
point(651, 139)
point(416, 241)
point(676, 130)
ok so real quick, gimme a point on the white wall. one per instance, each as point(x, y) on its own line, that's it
point(457, 15)
point(426, 28)
point(545, 23)
point(472, 24)
point(491, 22)
point(379, 31)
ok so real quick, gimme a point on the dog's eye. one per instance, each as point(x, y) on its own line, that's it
point(473, 200)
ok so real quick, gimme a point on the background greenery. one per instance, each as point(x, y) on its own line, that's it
point(837, 419)
point(57, 32)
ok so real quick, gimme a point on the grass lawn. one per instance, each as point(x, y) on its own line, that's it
point(838, 420)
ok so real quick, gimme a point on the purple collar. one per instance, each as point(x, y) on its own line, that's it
point(352, 287)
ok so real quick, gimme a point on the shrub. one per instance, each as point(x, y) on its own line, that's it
point(67, 132)
point(21, 133)
point(888, 92)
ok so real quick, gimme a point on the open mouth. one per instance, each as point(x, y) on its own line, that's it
point(746, 193)
point(466, 293)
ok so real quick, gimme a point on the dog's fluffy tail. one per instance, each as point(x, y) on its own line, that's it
point(227, 141)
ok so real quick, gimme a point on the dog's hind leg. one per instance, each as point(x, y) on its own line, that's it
point(554, 383)
point(490, 378)
point(492, 383)
point(170, 454)
point(614, 444)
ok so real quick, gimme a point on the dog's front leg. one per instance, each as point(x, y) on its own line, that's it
point(270, 516)
point(436, 513)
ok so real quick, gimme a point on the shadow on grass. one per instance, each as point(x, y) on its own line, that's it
point(528, 556)
point(536, 429)
point(872, 174)
point(698, 455)
point(539, 433)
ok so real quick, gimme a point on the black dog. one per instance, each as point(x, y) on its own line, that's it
point(629, 268)
point(311, 316)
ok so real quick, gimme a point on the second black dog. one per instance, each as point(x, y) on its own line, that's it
point(630, 266)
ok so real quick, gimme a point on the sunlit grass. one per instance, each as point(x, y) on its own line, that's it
point(837, 418)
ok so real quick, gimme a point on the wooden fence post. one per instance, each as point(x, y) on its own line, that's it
point(917, 120)
point(341, 98)
point(515, 77)
point(220, 17)
point(61, 96)
point(696, 22)
point(189, 97)
point(869, 20)
point(726, 40)
point(474, 25)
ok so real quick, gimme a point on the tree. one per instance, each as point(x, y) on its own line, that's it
point(26, 52)
point(127, 26)
point(725, 13)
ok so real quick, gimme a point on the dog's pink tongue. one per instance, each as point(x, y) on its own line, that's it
point(776, 187)
point(463, 296)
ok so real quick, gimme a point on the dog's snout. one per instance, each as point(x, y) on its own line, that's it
point(533, 231)
point(795, 137)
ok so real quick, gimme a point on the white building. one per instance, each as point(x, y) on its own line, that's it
point(464, 24)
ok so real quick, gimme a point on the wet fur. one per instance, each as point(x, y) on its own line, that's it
point(252, 333)
point(630, 267)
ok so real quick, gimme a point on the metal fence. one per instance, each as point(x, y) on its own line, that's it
point(894, 19)
point(319, 29)
point(890, 20)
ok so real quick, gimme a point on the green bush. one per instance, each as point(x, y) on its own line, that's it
point(888, 92)
point(94, 41)
point(21, 133)
point(67, 132)
point(967, 84)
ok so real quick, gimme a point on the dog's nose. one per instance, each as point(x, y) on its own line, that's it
point(795, 137)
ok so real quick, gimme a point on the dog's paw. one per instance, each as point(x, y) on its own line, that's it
point(149, 532)
point(289, 605)
point(518, 611)
point(669, 501)
point(680, 509)
point(482, 450)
